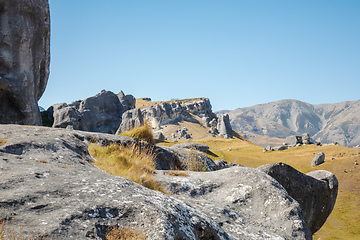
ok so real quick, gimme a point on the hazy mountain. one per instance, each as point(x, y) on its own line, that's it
point(326, 123)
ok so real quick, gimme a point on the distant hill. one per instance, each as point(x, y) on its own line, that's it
point(326, 123)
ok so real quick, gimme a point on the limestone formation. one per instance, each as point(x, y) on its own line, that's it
point(316, 191)
point(224, 126)
point(192, 145)
point(246, 202)
point(159, 136)
point(168, 112)
point(318, 159)
point(24, 59)
point(131, 119)
point(100, 113)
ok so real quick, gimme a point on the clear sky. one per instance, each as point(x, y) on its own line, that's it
point(238, 53)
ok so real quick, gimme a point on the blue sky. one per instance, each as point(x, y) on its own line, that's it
point(238, 53)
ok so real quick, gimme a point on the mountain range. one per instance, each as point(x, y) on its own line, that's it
point(270, 123)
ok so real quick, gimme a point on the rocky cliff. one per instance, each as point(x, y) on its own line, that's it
point(326, 123)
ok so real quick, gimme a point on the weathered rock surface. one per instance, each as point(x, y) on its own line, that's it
point(293, 141)
point(48, 185)
point(192, 145)
point(183, 154)
point(168, 112)
point(246, 202)
point(24, 59)
point(130, 119)
point(318, 159)
point(326, 123)
point(316, 191)
point(224, 126)
point(100, 113)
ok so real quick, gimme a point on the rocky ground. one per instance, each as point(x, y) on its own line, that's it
point(49, 186)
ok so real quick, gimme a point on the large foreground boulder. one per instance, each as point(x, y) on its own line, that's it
point(246, 202)
point(100, 113)
point(316, 191)
point(24, 59)
point(49, 187)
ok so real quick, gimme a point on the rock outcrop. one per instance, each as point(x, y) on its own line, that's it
point(192, 145)
point(100, 113)
point(24, 59)
point(224, 126)
point(167, 112)
point(290, 142)
point(316, 191)
point(246, 202)
point(293, 141)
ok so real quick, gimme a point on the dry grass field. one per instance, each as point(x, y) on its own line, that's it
point(344, 221)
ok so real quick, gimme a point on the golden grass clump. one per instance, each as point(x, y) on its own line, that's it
point(3, 141)
point(143, 133)
point(134, 163)
point(9, 229)
point(177, 173)
point(122, 233)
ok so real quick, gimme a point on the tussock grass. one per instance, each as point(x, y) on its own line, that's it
point(122, 233)
point(134, 163)
point(11, 230)
point(193, 162)
point(177, 173)
point(3, 141)
point(143, 133)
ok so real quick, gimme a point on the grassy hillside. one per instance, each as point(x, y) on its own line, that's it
point(343, 223)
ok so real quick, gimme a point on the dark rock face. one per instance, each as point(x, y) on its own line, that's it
point(100, 113)
point(246, 202)
point(224, 126)
point(316, 191)
point(318, 159)
point(24, 59)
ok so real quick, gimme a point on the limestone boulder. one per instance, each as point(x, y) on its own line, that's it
point(316, 191)
point(131, 119)
point(100, 113)
point(24, 59)
point(224, 126)
point(318, 159)
point(192, 145)
point(246, 202)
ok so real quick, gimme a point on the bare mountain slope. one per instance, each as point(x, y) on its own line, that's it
point(326, 123)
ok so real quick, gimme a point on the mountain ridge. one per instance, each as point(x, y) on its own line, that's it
point(326, 123)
